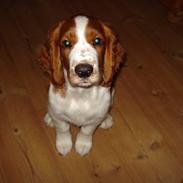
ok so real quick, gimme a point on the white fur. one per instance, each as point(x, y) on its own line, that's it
point(81, 106)
point(83, 51)
point(107, 123)
point(84, 107)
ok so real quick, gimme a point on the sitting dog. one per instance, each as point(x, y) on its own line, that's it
point(82, 55)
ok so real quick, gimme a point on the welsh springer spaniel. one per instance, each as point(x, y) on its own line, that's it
point(81, 56)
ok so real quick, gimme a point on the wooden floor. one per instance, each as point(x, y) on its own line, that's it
point(146, 143)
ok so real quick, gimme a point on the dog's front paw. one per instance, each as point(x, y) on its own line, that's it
point(48, 120)
point(83, 143)
point(64, 143)
point(107, 123)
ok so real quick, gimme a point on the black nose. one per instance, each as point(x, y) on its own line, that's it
point(84, 70)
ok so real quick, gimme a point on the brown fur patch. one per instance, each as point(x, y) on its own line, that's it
point(112, 57)
point(110, 52)
point(53, 55)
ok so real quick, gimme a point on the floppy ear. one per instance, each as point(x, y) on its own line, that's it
point(50, 57)
point(112, 56)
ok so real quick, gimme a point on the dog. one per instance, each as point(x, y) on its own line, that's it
point(81, 56)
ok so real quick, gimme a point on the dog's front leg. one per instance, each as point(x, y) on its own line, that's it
point(63, 137)
point(84, 139)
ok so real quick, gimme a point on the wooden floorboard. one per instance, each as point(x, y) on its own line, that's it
point(144, 146)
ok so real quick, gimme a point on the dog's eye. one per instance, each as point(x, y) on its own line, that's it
point(97, 41)
point(67, 43)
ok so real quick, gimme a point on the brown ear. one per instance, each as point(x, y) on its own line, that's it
point(50, 57)
point(112, 57)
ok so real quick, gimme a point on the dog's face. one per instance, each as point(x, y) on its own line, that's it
point(83, 51)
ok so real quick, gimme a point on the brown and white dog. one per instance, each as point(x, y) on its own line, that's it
point(81, 56)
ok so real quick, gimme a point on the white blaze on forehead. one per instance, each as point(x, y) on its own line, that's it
point(81, 23)
point(82, 50)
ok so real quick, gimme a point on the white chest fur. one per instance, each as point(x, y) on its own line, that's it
point(80, 106)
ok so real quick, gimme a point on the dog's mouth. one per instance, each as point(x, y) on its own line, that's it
point(84, 84)
point(84, 75)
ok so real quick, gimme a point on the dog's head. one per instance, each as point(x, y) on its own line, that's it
point(83, 51)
